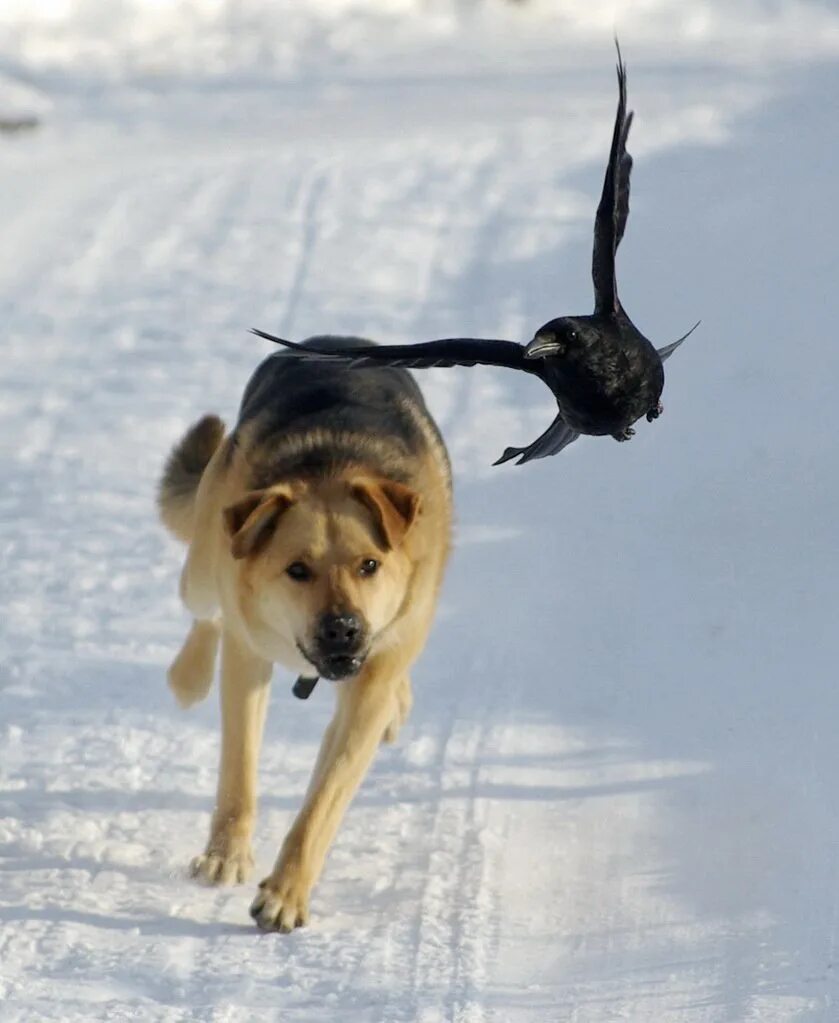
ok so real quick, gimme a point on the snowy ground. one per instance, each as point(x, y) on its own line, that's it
point(617, 796)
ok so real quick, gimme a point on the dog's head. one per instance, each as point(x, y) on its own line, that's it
point(323, 568)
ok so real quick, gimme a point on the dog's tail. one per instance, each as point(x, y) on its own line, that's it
point(182, 474)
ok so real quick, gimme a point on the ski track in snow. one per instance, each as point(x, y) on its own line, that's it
point(528, 851)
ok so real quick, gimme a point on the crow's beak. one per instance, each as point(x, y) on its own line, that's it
point(542, 345)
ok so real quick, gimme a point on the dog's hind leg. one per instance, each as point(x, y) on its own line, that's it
point(244, 699)
point(191, 673)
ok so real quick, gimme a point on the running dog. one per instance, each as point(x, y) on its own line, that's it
point(318, 530)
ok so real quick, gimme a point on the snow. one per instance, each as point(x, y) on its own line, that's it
point(616, 797)
point(89, 40)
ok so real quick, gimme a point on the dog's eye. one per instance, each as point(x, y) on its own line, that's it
point(299, 572)
point(368, 566)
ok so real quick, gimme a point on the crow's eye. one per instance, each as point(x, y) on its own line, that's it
point(299, 572)
point(368, 567)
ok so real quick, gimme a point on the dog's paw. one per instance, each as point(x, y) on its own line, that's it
point(232, 865)
point(281, 904)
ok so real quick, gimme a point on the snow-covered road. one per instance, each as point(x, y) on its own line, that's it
point(616, 798)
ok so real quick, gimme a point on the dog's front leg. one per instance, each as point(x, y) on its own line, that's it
point(244, 699)
point(403, 700)
point(365, 708)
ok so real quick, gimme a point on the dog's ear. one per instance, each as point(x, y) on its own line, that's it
point(394, 507)
point(251, 522)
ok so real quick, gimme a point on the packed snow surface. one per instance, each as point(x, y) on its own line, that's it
point(617, 795)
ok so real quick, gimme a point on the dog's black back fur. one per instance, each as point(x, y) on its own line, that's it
point(293, 403)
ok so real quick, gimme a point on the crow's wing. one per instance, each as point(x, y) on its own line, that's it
point(612, 213)
point(557, 436)
point(665, 352)
point(452, 351)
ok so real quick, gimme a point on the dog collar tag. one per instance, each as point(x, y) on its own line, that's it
point(303, 687)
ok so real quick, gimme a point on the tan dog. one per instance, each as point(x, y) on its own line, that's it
point(318, 531)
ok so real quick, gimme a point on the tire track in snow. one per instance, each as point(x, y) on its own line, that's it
point(315, 190)
point(455, 928)
point(143, 216)
point(459, 867)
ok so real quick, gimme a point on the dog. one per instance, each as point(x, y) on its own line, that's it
point(318, 531)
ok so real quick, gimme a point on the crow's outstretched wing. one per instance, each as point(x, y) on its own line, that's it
point(612, 213)
point(453, 351)
point(457, 351)
point(665, 352)
point(557, 436)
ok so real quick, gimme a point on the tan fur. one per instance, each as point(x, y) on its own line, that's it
point(191, 673)
point(241, 539)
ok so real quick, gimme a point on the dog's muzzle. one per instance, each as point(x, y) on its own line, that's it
point(339, 645)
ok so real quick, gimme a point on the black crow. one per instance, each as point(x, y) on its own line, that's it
point(601, 369)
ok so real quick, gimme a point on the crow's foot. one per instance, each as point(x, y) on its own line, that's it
point(624, 434)
point(654, 413)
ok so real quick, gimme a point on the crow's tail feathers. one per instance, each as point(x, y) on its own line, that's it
point(667, 350)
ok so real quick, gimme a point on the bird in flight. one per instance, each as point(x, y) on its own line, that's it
point(601, 369)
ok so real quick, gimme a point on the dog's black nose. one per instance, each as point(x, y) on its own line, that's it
point(339, 633)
